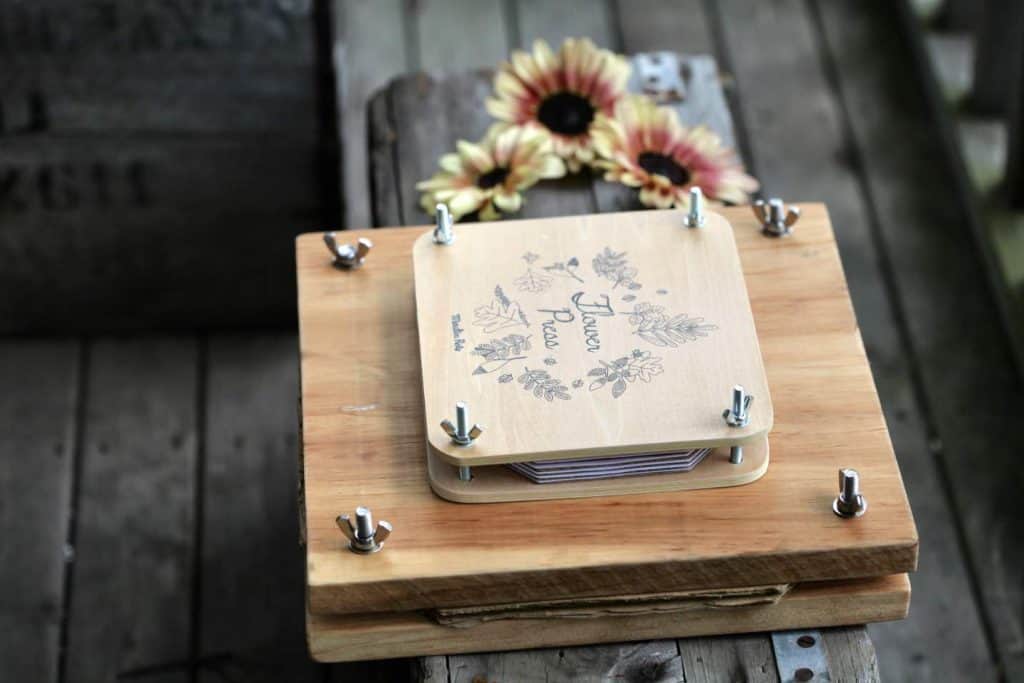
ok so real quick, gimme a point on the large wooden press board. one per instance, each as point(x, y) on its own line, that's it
point(341, 638)
point(363, 425)
point(526, 321)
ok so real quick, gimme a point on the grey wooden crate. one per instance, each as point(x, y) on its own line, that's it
point(155, 161)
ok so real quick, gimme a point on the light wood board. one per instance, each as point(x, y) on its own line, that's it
point(337, 638)
point(363, 444)
point(499, 484)
point(587, 336)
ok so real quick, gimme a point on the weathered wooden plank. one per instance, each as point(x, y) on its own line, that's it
point(998, 57)
point(804, 153)
point(155, 94)
point(131, 583)
point(382, 138)
point(727, 659)
point(430, 670)
point(851, 655)
point(556, 21)
point(69, 28)
point(651, 661)
point(37, 412)
point(127, 125)
point(369, 48)
point(431, 113)
point(1015, 157)
point(251, 588)
point(673, 25)
point(112, 231)
point(960, 348)
point(458, 34)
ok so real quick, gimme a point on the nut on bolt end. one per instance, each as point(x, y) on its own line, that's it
point(695, 215)
point(776, 219)
point(460, 432)
point(738, 415)
point(443, 231)
point(347, 255)
point(363, 537)
point(849, 502)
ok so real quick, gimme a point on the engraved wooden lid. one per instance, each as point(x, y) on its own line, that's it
point(586, 336)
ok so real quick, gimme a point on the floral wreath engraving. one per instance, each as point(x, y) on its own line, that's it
point(497, 353)
point(622, 372)
point(532, 282)
point(565, 269)
point(501, 312)
point(543, 385)
point(655, 327)
point(612, 265)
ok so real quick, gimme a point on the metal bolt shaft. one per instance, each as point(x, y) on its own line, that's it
point(739, 408)
point(461, 420)
point(695, 217)
point(443, 233)
point(849, 484)
point(364, 523)
point(736, 455)
point(850, 502)
point(775, 211)
point(465, 473)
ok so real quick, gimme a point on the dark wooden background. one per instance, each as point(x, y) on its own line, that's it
point(147, 496)
point(156, 158)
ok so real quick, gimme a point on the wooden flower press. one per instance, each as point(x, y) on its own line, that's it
point(596, 337)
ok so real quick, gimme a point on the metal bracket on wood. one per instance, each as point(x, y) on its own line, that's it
point(800, 656)
point(660, 75)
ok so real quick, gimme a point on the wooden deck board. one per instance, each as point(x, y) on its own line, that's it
point(788, 152)
point(131, 583)
point(799, 149)
point(37, 439)
point(960, 350)
point(251, 585)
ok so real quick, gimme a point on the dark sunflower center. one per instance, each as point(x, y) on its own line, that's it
point(566, 113)
point(652, 162)
point(493, 177)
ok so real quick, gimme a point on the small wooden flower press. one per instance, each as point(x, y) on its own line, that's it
point(623, 479)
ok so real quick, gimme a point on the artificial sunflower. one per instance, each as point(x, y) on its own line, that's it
point(487, 177)
point(561, 93)
point(645, 146)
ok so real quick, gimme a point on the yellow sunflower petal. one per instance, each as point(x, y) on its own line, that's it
point(475, 155)
point(489, 213)
point(467, 201)
point(508, 202)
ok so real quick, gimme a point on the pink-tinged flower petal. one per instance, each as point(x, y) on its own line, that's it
point(581, 75)
point(467, 201)
point(645, 146)
point(475, 155)
point(508, 202)
point(486, 178)
point(551, 167)
point(488, 212)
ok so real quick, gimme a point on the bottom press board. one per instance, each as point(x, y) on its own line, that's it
point(356, 637)
point(363, 432)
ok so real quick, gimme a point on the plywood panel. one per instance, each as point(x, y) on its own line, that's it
point(516, 319)
point(363, 437)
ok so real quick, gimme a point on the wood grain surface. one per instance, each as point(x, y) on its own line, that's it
point(363, 437)
point(343, 637)
point(565, 323)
